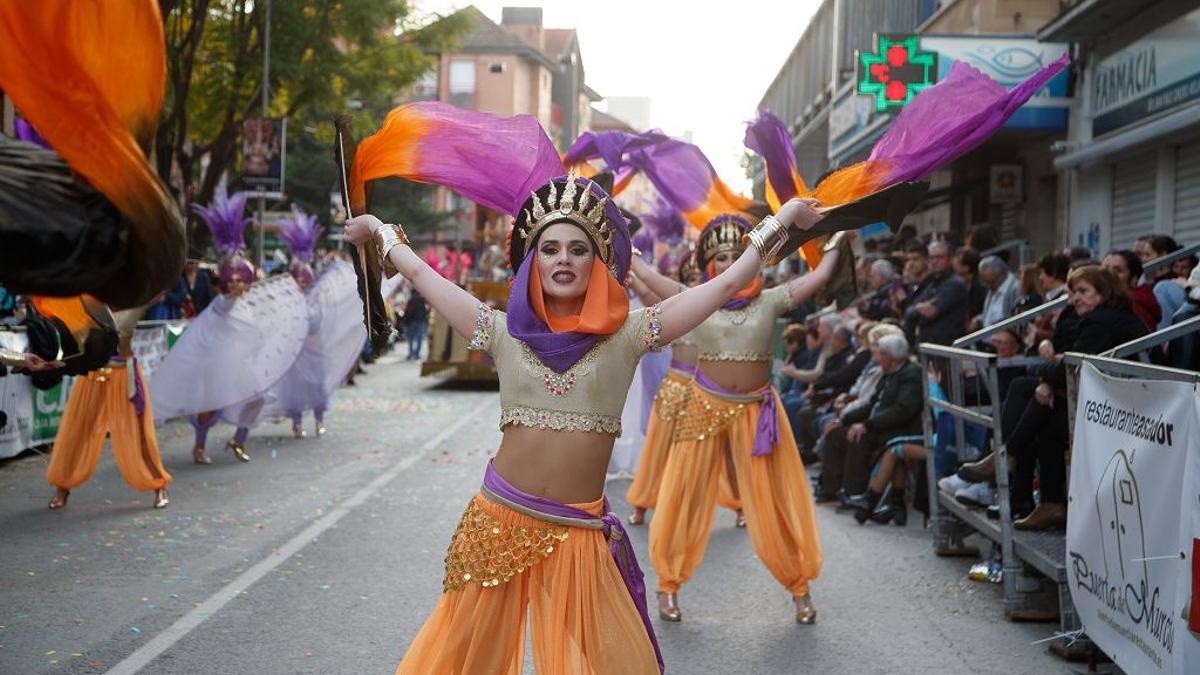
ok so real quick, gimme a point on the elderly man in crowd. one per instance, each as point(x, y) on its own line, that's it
point(1003, 290)
point(860, 433)
point(938, 310)
point(877, 305)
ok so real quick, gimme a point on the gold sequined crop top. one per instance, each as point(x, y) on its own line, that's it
point(742, 334)
point(587, 397)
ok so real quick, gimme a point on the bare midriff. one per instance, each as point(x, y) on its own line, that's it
point(685, 354)
point(566, 466)
point(738, 375)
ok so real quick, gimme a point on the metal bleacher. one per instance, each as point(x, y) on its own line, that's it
point(1035, 570)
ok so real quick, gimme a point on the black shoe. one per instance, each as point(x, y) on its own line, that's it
point(857, 502)
point(868, 501)
point(892, 509)
point(824, 497)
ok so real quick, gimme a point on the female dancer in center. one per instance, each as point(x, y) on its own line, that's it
point(539, 538)
point(733, 405)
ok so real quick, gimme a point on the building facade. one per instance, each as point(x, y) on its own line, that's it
point(509, 68)
point(1131, 159)
point(1011, 182)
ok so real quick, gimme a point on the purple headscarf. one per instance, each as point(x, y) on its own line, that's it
point(560, 351)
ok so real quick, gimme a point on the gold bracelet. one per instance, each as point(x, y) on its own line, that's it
point(387, 237)
point(767, 238)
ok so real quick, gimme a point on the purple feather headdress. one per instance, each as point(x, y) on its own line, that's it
point(224, 218)
point(299, 233)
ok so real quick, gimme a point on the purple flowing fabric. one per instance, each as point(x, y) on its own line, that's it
point(768, 136)
point(951, 118)
point(560, 351)
point(618, 541)
point(491, 160)
point(679, 171)
point(766, 436)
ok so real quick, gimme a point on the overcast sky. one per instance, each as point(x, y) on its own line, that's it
point(704, 65)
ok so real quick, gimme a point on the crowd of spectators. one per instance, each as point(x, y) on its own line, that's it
point(855, 397)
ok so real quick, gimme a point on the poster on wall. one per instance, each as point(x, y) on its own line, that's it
point(1128, 570)
point(264, 151)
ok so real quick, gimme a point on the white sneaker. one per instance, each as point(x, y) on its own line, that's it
point(952, 484)
point(976, 494)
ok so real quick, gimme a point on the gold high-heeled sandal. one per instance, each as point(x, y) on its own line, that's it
point(299, 432)
point(239, 451)
point(740, 521)
point(320, 430)
point(668, 607)
point(637, 517)
point(161, 499)
point(199, 456)
point(806, 612)
point(59, 499)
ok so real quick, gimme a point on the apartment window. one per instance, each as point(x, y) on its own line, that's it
point(496, 68)
point(426, 88)
point(462, 83)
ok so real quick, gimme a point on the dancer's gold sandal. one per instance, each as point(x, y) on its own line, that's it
point(239, 451)
point(806, 612)
point(59, 499)
point(668, 607)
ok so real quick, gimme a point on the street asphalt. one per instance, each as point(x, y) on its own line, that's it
point(324, 556)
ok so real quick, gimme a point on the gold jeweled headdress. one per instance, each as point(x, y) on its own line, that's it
point(558, 208)
point(723, 233)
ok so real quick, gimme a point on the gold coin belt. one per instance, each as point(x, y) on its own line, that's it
point(672, 397)
point(488, 552)
point(703, 418)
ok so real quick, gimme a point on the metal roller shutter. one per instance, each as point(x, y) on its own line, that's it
point(1187, 193)
point(1133, 199)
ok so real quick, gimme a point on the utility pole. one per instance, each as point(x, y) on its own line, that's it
point(266, 96)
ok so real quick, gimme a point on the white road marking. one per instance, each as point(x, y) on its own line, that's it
point(188, 622)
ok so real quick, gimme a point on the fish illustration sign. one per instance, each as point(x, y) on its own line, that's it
point(1132, 519)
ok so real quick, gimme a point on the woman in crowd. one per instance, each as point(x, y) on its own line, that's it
point(1127, 267)
point(539, 537)
point(1036, 408)
point(1028, 291)
point(1168, 289)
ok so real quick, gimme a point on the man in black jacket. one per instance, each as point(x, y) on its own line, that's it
point(938, 312)
point(895, 410)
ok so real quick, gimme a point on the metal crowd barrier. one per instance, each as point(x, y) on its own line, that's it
point(1035, 570)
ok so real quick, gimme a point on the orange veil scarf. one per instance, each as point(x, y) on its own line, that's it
point(605, 305)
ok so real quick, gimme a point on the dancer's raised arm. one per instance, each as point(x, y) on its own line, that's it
point(658, 283)
point(457, 306)
point(687, 309)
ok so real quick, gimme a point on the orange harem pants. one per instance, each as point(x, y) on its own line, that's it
point(669, 404)
point(564, 579)
point(775, 493)
point(100, 405)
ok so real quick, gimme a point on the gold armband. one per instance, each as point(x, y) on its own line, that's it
point(387, 237)
point(767, 238)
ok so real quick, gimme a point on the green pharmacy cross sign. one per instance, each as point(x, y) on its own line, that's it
point(896, 71)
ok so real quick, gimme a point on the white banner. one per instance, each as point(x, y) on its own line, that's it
point(1129, 572)
point(150, 348)
point(16, 402)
